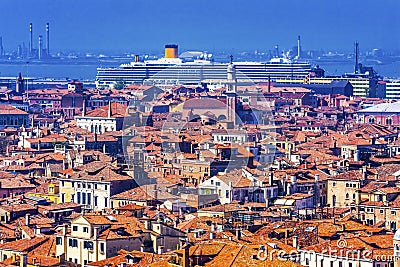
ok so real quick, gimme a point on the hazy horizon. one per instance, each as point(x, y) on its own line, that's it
point(224, 25)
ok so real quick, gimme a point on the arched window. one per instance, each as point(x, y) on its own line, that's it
point(389, 121)
point(371, 119)
point(347, 195)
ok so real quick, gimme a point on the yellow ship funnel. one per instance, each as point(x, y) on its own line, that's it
point(171, 51)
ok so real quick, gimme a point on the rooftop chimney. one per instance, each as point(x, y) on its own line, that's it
point(109, 109)
point(293, 179)
point(27, 219)
point(238, 234)
point(364, 172)
point(295, 241)
point(271, 178)
point(84, 108)
point(212, 235)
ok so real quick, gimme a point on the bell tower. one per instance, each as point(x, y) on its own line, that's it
point(19, 84)
point(231, 85)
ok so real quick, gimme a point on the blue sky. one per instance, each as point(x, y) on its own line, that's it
point(141, 25)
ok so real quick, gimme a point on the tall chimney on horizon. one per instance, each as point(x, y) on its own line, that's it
point(31, 38)
point(48, 38)
point(1, 47)
point(40, 47)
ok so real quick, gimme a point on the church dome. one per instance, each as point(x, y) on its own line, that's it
point(397, 235)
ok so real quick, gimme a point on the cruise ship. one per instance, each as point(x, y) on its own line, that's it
point(171, 70)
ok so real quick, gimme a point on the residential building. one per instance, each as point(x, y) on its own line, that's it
point(13, 117)
point(103, 119)
point(387, 114)
point(342, 188)
point(94, 185)
point(92, 237)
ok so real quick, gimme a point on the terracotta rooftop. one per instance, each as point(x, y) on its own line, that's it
point(117, 110)
point(10, 110)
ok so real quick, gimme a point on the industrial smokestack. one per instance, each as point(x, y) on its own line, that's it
point(40, 47)
point(298, 47)
point(1, 47)
point(277, 50)
point(31, 38)
point(48, 38)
